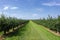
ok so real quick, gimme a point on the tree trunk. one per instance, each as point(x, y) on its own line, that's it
point(4, 32)
point(13, 29)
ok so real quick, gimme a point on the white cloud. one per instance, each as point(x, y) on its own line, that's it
point(9, 7)
point(34, 15)
point(6, 8)
point(51, 4)
point(14, 8)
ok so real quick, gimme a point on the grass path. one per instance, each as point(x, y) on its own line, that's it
point(33, 31)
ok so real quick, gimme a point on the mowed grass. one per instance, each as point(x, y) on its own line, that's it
point(33, 31)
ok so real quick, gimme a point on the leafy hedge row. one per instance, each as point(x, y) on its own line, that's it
point(51, 23)
point(7, 23)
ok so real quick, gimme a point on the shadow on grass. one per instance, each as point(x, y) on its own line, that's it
point(17, 32)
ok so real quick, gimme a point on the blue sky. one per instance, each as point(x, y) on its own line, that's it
point(30, 9)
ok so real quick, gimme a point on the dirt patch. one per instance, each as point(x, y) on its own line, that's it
point(2, 38)
point(57, 34)
point(52, 31)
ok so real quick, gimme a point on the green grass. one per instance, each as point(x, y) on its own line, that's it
point(33, 31)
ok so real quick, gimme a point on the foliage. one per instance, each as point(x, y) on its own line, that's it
point(7, 23)
point(51, 23)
